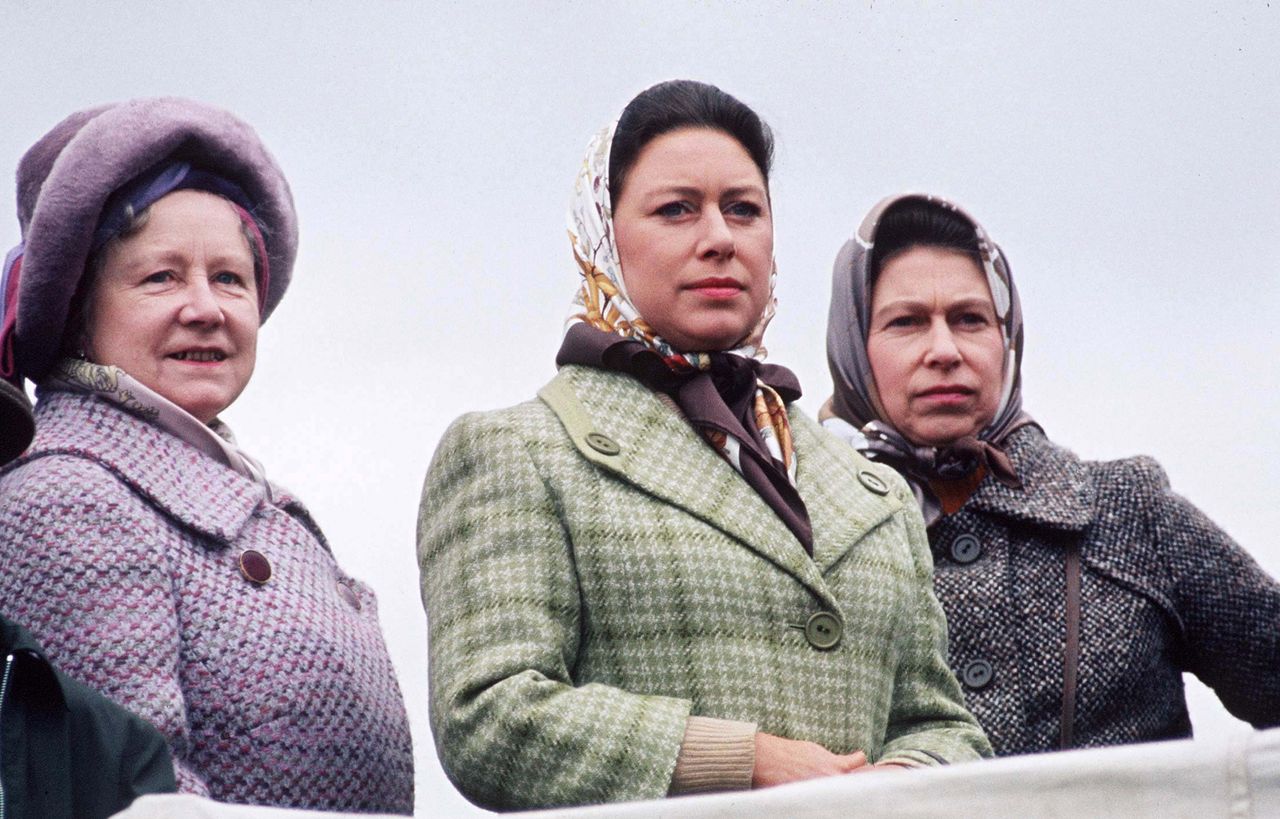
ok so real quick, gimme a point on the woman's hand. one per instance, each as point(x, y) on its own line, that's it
point(780, 760)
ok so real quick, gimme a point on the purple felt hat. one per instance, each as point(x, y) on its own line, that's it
point(66, 179)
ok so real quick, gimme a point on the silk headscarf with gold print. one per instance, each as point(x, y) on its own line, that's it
point(602, 302)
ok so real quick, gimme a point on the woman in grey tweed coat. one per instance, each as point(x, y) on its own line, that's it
point(1076, 592)
point(660, 577)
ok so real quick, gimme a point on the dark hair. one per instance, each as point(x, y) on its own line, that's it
point(921, 223)
point(685, 104)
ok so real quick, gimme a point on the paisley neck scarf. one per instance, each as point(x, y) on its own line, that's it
point(736, 401)
point(113, 384)
point(855, 412)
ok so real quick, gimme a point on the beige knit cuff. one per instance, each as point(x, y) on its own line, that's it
point(716, 755)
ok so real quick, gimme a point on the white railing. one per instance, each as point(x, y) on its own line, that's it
point(1235, 776)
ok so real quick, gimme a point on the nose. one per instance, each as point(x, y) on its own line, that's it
point(200, 304)
point(716, 241)
point(942, 350)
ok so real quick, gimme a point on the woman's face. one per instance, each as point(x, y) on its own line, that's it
point(695, 239)
point(176, 305)
point(935, 346)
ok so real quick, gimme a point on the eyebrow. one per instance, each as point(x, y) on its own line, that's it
point(693, 191)
point(165, 257)
point(970, 302)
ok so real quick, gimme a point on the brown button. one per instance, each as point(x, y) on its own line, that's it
point(255, 567)
point(349, 594)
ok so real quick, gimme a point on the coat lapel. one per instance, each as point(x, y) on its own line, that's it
point(1056, 490)
point(833, 479)
point(174, 476)
point(660, 453)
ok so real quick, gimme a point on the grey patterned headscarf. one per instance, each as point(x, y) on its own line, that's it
point(855, 412)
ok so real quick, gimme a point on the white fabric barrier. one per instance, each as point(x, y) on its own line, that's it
point(1236, 776)
point(186, 806)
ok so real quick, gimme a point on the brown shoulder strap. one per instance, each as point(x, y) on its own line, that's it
point(1071, 654)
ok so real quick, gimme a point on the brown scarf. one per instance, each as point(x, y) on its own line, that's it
point(718, 401)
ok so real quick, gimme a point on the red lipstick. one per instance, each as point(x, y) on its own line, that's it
point(717, 287)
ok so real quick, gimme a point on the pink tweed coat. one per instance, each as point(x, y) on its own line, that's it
point(120, 548)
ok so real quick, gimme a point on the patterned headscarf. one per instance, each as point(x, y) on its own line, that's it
point(602, 302)
point(856, 402)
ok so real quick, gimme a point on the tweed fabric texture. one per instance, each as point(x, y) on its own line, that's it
point(1163, 591)
point(582, 605)
point(120, 544)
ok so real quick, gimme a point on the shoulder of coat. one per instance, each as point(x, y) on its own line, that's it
point(70, 495)
point(1131, 479)
point(164, 472)
point(521, 419)
point(1139, 474)
point(52, 475)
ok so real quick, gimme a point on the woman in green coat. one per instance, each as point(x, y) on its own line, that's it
point(660, 577)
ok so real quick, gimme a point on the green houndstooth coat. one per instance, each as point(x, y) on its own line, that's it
point(593, 573)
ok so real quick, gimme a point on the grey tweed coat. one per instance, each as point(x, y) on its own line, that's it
point(594, 573)
point(1163, 591)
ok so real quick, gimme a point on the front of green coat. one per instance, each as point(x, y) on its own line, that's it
point(594, 573)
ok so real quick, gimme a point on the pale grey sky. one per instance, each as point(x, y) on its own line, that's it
point(1124, 155)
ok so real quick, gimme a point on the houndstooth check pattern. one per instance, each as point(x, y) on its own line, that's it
point(1163, 591)
point(580, 611)
point(119, 544)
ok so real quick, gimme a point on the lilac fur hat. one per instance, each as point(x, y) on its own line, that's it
point(65, 179)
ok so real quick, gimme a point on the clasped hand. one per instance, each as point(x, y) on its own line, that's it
point(780, 760)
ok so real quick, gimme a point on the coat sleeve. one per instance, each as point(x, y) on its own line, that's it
point(1228, 605)
point(928, 721)
point(86, 572)
point(512, 728)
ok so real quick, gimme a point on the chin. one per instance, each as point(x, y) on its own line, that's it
point(943, 435)
point(715, 333)
point(707, 342)
point(204, 409)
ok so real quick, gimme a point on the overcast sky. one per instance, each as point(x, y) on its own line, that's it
point(1124, 155)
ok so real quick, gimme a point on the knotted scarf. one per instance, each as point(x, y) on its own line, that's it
point(736, 401)
point(855, 411)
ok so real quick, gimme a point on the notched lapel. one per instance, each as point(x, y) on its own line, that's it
point(660, 453)
point(1056, 490)
point(842, 508)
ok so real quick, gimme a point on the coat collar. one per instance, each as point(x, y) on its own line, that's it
point(624, 428)
point(169, 473)
point(1055, 492)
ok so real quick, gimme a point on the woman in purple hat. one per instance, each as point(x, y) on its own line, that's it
point(144, 548)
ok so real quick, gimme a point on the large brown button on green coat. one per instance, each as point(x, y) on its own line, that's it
point(582, 604)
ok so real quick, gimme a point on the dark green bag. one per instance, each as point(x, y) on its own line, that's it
point(66, 750)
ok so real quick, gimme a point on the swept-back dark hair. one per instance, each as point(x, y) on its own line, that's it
point(921, 223)
point(685, 104)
